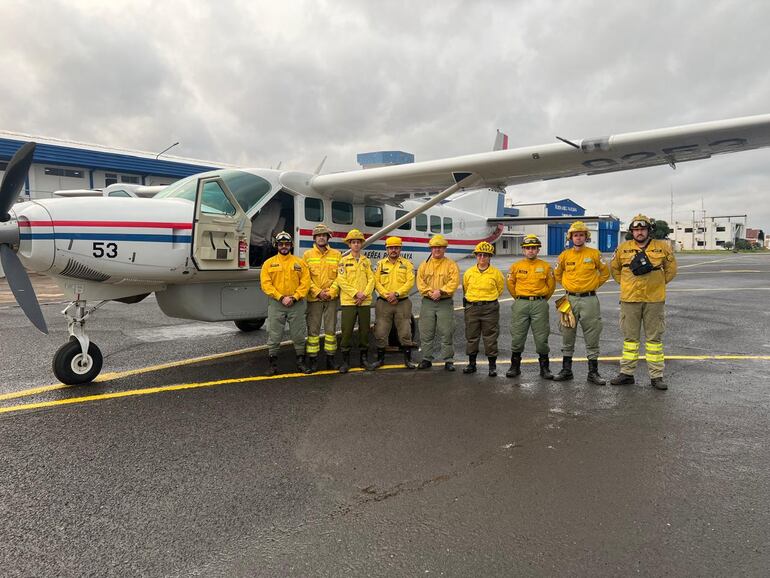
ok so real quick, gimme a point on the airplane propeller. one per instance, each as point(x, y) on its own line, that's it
point(18, 280)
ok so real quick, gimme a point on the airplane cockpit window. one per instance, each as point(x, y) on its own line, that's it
point(247, 188)
point(314, 210)
point(373, 216)
point(214, 201)
point(406, 226)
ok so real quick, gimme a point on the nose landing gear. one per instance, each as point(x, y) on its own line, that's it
point(79, 360)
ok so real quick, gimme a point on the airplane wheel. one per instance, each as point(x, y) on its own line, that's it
point(249, 324)
point(72, 368)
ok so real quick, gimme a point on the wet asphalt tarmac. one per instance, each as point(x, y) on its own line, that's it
point(392, 472)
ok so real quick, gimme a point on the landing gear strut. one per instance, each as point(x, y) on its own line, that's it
point(77, 361)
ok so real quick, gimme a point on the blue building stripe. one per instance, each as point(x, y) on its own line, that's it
point(109, 237)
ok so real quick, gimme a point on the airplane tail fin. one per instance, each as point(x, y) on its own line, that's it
point(501, 141)
point(486, 202)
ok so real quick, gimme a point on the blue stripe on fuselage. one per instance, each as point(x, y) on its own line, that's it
point(108, 237)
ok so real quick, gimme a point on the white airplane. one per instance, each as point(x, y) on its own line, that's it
point(189, 244)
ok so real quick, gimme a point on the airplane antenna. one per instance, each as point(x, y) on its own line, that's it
point(318, 170)
point(569, 142)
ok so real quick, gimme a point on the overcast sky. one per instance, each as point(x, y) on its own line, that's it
point(253, 83)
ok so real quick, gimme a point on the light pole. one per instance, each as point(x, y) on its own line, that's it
point(166, 149)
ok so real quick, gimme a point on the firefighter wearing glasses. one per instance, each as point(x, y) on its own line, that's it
point(531, 283)
point(322, 299)
point(642, 266)
point(285, 279)
point(581, 271)
point(393, 279)
point(437, 279)
point(356, 282)
point(482, 286)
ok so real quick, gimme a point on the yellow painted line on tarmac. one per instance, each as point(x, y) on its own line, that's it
point(706, 262)
point(33, 391)
point(198, 385)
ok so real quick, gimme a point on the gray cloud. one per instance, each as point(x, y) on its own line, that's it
point(253, 83)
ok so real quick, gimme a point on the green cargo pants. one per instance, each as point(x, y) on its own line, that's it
point(386, 315)
point(589, 317)
point(482, 320)
point(325, 311)
point(437, 320)
point(349, 315)
point(632, 317)
point(526, 314)
point(277, 316)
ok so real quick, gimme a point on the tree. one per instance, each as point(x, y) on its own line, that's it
point(743, 245)
point(728, 245)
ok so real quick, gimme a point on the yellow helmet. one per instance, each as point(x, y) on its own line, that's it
point(354, 234)
point(641, 222)
point(322, 230)
point(531, 241)
point(438, 241)
point(393, 242)
point(578, 227)
point(484, 247)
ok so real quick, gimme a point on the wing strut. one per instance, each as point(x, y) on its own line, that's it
point(466, 182)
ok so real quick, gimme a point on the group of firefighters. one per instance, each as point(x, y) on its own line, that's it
point(307, 292)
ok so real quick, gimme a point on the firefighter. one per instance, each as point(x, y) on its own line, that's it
point(531, 283)
point(643, 267)
point(482, 286)
point(285, 279)
point(437, 279)
point(356, 284)
point(322, 299)
point(581, 271)
point(393, 279)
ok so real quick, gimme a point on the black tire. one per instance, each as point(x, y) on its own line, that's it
point(249, 324)
point(65, 363)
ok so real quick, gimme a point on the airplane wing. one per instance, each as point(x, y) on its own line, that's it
point(549, 220)
point(590, 156)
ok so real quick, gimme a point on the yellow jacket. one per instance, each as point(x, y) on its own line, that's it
point(649, 288)
point(531, 278)
point(486, 285)
point(394, 278)
point(581, 270)
point(323, 271)
point(354, 276)
point(442, 274)
point(285, 275)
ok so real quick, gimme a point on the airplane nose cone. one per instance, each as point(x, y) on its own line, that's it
point(9, 232)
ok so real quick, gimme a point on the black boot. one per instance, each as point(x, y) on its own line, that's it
point(545, 372)
point(657, 383)
point(380, 359)
point(330, 363)
point(425, 364)
point(301, 367)
point(345, 367)
point(492, 366)
point(515, 369)
point(312, 364)
point(364, 359)
point(593, 373)
point(622, 379)
point(449, 366)
point(566, 370)
point(273, 364)
point(408, 358)
point(471, 367)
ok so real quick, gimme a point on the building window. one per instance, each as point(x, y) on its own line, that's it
point(688, 230)
point(342, 213)
point(720, 242)
point(57, 172)
point(421, 222)
point(406, 226)
point(720, 229)
point(701, 243)
point(110, 179)
point(435, 224)
point(314, 210)
point(373, 216)
point(129, 179)
point(447, 225)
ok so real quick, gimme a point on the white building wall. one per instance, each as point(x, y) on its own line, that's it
point(709, 234)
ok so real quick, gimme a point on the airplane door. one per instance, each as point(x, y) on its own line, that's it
point(221, 228)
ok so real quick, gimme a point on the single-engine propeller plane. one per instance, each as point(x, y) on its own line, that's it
point(190, 243)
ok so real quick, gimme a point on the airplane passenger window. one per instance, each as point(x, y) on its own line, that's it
point(314, 210)
point(406, 226)
point(447, 225)
point(118, 193)
point(373, 216)
point(435, 224)
point(214, 201)
point(421, 222)
point(342, 213)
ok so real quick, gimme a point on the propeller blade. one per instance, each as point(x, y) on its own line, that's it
point(19, 282)
point(15, 175)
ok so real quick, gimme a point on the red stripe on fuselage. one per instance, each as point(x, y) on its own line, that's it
point(113, 224)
